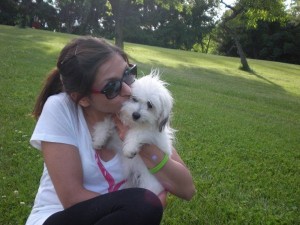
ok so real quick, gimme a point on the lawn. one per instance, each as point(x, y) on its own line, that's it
point(239, 133)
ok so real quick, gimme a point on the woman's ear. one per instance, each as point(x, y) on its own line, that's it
point(84, 102)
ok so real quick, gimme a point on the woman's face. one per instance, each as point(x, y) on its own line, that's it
point(111, 70)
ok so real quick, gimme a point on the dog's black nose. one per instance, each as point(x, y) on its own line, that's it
point(136, 115)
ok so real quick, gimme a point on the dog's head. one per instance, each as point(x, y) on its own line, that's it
point(150, 105)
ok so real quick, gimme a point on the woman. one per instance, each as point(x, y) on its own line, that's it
point(81, 185)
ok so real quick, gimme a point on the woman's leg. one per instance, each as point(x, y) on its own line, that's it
point(130, 206)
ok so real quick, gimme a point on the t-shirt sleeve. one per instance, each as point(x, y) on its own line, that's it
point(56, 123)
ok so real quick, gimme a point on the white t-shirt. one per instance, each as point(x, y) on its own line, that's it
point(62, 121)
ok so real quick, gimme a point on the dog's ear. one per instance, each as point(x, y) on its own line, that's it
point(162, 124)
point(166, 104)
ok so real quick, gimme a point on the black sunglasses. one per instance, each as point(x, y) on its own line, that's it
point(113, 88)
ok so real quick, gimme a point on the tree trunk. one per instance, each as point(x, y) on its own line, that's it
point(245, 65)
point(234, 36)
point(118, 9)
point(207, 46)
point(232, 33)
point(119, 34)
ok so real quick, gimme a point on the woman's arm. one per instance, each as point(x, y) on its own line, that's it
point(174, 175)
point(64, 167)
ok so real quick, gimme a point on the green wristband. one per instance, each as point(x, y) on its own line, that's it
point(160, 165)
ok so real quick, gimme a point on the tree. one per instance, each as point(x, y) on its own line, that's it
point(24, 11)
point(89, 21)
point(119, 13)
point(254, 11)
point(28, 13)
point(44, 15)
point(173, 27)
point(295, 12)
point(69, 12)
point(202, 22)
point(119, 10)
point(8, 12)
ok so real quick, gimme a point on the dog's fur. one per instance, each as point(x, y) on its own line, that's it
point(147, 115)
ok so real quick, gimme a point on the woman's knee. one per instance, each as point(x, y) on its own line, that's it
point(146, 206)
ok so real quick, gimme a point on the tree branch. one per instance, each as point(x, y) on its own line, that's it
point(235, 11)
point(227, 6)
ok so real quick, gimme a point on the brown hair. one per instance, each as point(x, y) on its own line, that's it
point(76, 69)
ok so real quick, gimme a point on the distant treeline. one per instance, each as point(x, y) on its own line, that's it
point(191, 25)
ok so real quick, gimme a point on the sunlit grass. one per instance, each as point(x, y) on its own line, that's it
point(237, 132)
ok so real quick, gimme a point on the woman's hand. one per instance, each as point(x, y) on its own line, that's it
point(121, 128)
point(163, 198)
point(174, 176)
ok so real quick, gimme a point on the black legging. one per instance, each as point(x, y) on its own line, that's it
point(134, 206)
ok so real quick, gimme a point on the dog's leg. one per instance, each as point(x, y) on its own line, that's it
point(103, 131)
point(140, 176)
point(132, 144)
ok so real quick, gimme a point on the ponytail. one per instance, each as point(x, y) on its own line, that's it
point(52, 86)
point(76, 69)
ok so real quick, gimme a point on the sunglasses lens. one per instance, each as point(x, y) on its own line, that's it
point(128, 77)
point(133, 70)
point(112, 89)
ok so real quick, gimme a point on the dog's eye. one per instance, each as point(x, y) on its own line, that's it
point(149, 104)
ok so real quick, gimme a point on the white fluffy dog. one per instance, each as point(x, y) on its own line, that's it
point(147, 115)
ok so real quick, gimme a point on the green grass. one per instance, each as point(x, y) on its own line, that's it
point(239, 133)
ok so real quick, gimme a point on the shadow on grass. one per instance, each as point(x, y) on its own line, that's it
point(252, 72)
point(219, 80)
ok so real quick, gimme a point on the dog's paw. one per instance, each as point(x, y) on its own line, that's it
point(99, 142)
point(97, 146)
point(130, 155)
point(131, 146)
point(129, 151)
